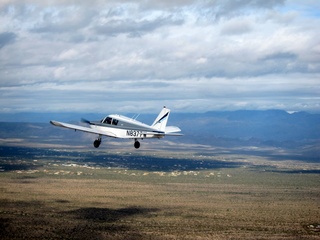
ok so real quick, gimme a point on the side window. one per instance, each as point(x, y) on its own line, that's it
point(115, 122)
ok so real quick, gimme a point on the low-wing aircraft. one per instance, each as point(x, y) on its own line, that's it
point(118, 126)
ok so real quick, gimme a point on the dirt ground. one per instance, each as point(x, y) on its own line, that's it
point(76, 202)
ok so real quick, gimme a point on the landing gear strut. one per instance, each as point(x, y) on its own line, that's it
point(97, 142)
point(136, 144)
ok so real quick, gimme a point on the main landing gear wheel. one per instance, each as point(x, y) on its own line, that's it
point(136, 144)
point(97, 143)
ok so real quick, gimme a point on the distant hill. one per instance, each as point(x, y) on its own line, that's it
point(218, 128)
point(266, 125)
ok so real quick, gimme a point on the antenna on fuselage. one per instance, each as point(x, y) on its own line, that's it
point(135, 118)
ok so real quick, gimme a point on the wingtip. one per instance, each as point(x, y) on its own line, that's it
point(85, 120)
point(55, 123)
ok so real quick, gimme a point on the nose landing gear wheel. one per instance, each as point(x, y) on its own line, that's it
point(136, 144)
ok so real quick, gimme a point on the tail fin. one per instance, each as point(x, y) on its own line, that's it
point(162, 119)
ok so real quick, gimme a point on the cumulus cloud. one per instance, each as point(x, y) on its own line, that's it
point(133, 55)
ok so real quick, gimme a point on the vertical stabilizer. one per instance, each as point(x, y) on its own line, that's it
point(162, 119)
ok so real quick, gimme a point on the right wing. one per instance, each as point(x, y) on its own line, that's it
point(83, 129)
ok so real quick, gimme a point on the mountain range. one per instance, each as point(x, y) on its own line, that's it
point(217, 128)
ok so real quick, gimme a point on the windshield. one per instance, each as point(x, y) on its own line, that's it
point(107, 120)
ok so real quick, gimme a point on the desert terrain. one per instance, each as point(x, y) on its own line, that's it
point(49, 193)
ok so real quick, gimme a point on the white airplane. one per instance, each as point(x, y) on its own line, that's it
point(118, 126)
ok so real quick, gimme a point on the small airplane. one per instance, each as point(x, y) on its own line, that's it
point(118, 126)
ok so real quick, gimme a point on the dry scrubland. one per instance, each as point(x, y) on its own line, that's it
point(79, 201)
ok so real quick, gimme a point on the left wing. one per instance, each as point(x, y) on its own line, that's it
point(83, 129)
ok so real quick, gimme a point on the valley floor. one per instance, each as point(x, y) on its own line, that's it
point(77, 195)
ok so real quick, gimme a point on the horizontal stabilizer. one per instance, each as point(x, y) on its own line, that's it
point(173, 131)
point(174, 134)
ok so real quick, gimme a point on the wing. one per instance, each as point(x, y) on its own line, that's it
point(83, 129)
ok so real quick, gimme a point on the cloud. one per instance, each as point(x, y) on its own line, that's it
point(135, 28)
point(227, 9)
point(7, 38)
point(236, 27)
point(129, 55)
point(60, 20)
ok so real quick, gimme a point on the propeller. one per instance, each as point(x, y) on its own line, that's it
point(85, 120)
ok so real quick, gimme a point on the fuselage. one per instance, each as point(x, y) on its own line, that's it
point(120, 126)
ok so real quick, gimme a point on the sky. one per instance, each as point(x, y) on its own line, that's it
point(121, 56)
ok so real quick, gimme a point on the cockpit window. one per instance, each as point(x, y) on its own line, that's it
point(107, 120)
